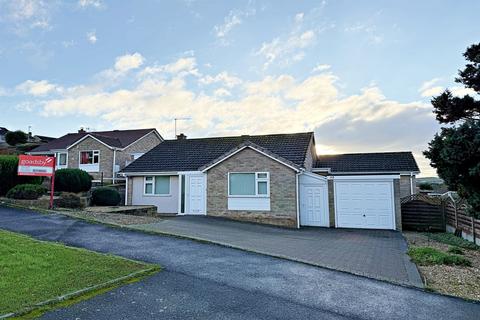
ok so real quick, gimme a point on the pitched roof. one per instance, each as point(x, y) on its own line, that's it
point(3, 130)
point(369, 162)
point(115, 138)
point(193, 154)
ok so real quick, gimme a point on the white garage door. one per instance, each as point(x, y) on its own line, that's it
point(364, 204)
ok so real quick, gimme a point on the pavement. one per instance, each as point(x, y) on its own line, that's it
point(205, 281)
point(378, 254)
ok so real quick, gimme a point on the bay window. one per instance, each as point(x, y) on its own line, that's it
point(157, 185)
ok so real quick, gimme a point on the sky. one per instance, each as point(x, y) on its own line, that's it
point(360, 74)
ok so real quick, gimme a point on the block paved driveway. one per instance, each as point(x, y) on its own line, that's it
point(378, 254)
point(204, 281)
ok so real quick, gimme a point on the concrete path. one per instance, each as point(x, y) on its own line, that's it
point(377, 254)
point(202, 281)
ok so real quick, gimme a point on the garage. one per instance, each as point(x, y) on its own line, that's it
point(364, 202)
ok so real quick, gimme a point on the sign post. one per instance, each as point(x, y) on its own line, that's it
point(38, 166)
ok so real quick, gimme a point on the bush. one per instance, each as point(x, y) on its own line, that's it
point(72, 180)
point(16, 137)
point(68, 200)
point(105, 196)
point(9, 177)
point(426, 186)
point(453, 240)
point(26, 191)
point(429, 256)
point(455, 250)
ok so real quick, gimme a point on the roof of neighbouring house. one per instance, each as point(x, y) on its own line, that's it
point(44, 138)
point(3, 130)
point(115, 138)
point(368, 162)
point(193, 154)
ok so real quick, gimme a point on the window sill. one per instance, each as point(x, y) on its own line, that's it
point(252, 196)
point(157, 195)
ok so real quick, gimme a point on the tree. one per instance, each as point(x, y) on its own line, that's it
point(16, 137)
point(455, 151)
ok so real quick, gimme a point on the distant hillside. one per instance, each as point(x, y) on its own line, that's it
point(432, 180)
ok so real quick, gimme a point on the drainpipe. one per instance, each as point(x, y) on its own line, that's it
point(411, 183)
point(113, 167)
point(298, 203)
point(126, 190)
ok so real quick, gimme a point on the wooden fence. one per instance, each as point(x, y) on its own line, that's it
point(457, 218)
point(422, 213)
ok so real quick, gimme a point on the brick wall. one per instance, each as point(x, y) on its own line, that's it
point(283, 209)
point(311, 156)
point(405, 186)
point(143, 145)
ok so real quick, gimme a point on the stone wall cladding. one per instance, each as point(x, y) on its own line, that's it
point(129, 191)
point(106, 157)
point(331, 203)
point(283, 207)
point(405, 186)
point(144, 145)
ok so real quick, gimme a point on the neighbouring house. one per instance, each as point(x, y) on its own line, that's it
point(101, 153)
point(274, 179)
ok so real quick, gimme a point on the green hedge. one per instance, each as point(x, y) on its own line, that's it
point(26, 191)
point(105, 196)
point(72, 180)
point(9, 177)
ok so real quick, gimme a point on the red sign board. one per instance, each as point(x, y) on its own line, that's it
point(40, 166)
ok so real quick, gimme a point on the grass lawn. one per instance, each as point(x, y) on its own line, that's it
point(33, 271)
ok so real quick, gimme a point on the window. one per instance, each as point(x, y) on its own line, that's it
point(89, 157)
point(249, 184)
point(159, 185)
point(61, 159)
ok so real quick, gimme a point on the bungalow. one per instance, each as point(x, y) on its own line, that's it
point(101, 153)
point(273, 179)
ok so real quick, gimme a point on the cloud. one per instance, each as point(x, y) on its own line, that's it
point(92, 37)
point(368, 28)
point(97, 4)
point(36, 88)
point(223, 77)
point(430, 88)
point(128, 62)
point(234, 18)
point(27, 14)
point(363, 122)
point(321, 68)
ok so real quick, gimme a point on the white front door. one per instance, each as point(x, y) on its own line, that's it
point(364, 204)
point(196, 194)
point(314, 205)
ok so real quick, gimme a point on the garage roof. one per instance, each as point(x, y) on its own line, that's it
point(368, 162)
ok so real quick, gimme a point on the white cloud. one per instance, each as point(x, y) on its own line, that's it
point(362, 122)
point(97, 4)
point(321, 68)
point(128, 62)
point(36, 88)
point(462, 91)
point(234, 18)
point(431, 88)
point(27, 14)
point(222, 77)
point(92, 37)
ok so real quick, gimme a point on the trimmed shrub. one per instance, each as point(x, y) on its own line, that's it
point(9, 177)
point(26, 191)
point(426, 256)
point(72, 180)
point(16, 137)
point(105, 196)
point(455, 250)
point(68, 200)
point(426, 186)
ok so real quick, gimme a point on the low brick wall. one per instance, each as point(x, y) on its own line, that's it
point(149, 211)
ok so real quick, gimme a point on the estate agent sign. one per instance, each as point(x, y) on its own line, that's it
point(39, 166)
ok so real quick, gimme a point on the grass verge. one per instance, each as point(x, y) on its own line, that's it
point(32, 271)
point(429, 256)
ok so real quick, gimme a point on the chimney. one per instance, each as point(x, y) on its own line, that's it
point(181, 136)
point(81, 130)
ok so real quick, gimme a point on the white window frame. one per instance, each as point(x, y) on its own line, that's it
point(152, 182)
point(93, 157)
point(257, 180)
point(57, 157)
